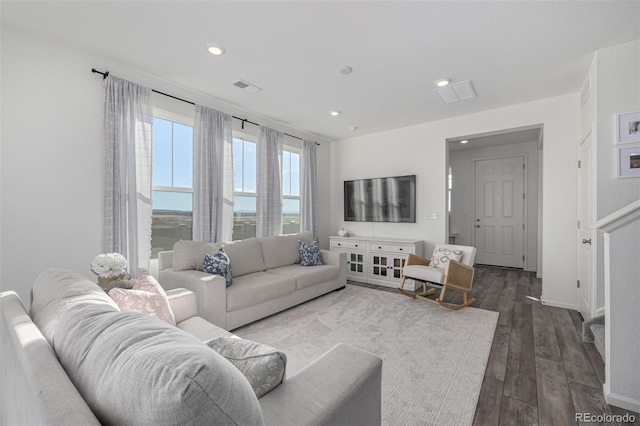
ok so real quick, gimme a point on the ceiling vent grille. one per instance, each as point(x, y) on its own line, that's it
point(456, 92)
point(244, 85)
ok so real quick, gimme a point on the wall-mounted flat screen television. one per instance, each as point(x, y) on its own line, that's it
point(389, 199)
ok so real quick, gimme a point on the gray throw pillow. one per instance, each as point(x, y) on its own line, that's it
point(262, 365)
point(132, 369)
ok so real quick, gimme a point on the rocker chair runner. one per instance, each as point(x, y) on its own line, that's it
point(450, 266)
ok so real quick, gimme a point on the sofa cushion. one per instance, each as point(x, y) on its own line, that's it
point(263, 366)
point(146, 297)
point(253, 289)
point(305, 276)
point(424, 273)
point(245, 256)
point(310, 253)
point(132, 369)
point(190, 254)
point(218, 264)
point(56, 288)
point(282, 250)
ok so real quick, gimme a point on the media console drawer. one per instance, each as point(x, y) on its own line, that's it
point(358, 245)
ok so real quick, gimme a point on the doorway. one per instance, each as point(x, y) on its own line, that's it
point(510, 240)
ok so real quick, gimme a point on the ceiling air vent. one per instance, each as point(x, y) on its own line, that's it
point(251, 88)
point(457, 92)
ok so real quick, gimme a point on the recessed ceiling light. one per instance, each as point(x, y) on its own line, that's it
point(346, 70)
point(334, 113)
point(464, 141)
point(442, 82)
point(215, 49)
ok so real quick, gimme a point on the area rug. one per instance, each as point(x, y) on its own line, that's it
point(433, 358)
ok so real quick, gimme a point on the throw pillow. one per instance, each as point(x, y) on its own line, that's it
point(134, 370)
point(310, 253)
point(218, 264)
point(147, 297)
point(262, 365)
point(442, 255)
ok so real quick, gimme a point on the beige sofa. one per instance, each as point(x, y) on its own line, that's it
point(76, 359)
point(267, 277)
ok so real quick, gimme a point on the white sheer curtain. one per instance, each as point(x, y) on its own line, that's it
point(269, 185)
point(308, 191)
point(127, 172)
point(213, 176)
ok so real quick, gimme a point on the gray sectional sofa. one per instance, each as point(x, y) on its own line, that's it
point(267, 277)
point(76, 359)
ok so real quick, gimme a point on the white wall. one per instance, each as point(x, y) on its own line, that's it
point(461, 220)
point(618, 91)
point(51, 190)
point(421, 150)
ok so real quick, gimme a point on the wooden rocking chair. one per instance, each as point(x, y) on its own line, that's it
point(456, 275)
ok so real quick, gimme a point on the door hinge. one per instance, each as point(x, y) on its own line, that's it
point(523, 226)
point(523, 166)
point(523, 196)
point(579, 163)
point(578, 224)
point(578, 283)
point(523, 258)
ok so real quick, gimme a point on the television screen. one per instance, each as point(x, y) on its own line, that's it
point(390, 199)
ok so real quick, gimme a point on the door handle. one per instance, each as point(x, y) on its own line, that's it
point(477, 226)
point(585, 241)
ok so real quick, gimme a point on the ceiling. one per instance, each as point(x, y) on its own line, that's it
point(513, 52)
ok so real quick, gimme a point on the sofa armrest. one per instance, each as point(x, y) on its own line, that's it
point(343, 386)
point(334, 257)
point(210, 291)
point(165, 260)
point(184, 304)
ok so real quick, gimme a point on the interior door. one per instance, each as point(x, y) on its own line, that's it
point(585, 234)
point(499, 208)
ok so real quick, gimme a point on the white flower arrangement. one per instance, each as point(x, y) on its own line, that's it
point(109, 264)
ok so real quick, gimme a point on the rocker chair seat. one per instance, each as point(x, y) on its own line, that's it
point(442, 270)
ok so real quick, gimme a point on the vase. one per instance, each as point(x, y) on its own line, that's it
point(104, 281)
point(343, 233)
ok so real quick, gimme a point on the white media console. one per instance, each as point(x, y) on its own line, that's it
point(377, 260)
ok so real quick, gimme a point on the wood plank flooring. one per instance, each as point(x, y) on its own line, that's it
point(539, 371)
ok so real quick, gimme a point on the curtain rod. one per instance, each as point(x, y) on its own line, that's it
point(243, 120)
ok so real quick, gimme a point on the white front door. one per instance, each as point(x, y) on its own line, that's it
point(586, 235)
point(499, 207)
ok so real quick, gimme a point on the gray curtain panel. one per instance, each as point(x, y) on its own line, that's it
point(213, 176)
point(269, 190)
point(308, 191)
point(127, 172)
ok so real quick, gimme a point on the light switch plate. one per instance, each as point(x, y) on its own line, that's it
point(431, 216)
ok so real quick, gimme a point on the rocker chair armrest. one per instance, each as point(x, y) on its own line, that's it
point(412, 259)
point(458, 275)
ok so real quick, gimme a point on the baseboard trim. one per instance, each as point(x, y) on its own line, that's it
point(557, 304)
point(620, 401)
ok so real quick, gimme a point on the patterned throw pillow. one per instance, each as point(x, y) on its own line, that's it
point(263, 366)
point(443, 255)
point(147, 297)
point(218, 264)
point(310, 253)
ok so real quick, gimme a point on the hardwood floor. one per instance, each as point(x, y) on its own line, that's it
point(539, 371)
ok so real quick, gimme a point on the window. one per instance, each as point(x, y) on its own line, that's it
point(244, 189)
point(449, 188)
point(290, 192)
point(172, 184)
point(245, 184)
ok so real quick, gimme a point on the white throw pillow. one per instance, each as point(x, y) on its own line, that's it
point(442, 255)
